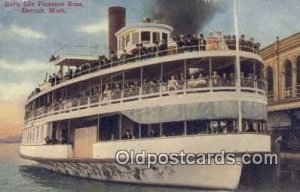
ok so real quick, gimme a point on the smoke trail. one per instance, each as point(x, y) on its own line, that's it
point(186, 16)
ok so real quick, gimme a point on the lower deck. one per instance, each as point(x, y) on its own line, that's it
point(106, 150)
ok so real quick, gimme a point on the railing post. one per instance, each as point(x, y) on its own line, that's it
point(122, 95)
point(255, 86)
point(294, 88)
point(140, 93)
point(210, 86)
point(160, 90)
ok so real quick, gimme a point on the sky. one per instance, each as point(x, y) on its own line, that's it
point(28, 39)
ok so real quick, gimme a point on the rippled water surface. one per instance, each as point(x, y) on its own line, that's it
point(18, 175)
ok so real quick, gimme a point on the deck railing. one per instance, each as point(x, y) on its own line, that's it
point(140, 56)
point(148, 91)
point(171, 50)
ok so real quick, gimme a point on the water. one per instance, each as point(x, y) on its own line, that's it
point(18, 175)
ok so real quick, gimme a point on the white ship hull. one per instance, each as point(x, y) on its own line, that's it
point(194, 176)
point(103, 166)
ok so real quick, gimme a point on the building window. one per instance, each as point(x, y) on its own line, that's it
point(145, 36)
point(288, 74)
point(288, 79)
point(270, 79)
point(298, 74)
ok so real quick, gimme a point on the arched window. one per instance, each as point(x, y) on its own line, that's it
point(298, 76)
point(270, 82)
point(270, 79)
point(288, 78)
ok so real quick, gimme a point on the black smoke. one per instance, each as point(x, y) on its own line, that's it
point(186, 16)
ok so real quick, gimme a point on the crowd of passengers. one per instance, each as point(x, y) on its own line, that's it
point(54, 141)
point(112, 91)
point(175, 82)
point(226, 127)
point(180, 44)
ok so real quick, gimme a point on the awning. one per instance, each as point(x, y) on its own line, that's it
point(197, 111)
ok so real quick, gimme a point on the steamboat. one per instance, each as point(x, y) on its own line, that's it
point(156, 92)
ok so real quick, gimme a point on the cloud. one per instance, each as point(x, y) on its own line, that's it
point(94, 28)
point(26, 65)
point(25, 33)
point(17, 91)
point(18, 79)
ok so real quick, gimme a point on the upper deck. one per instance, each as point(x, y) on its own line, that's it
point(156, 60)
point(90, 66)
point(253, 88)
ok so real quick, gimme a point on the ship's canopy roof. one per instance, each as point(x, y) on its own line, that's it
point(74, 60)
point(75, 56)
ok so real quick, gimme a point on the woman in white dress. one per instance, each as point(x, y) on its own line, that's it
point(192, 82)
point(221, 42)
point(106, 93)
point(201, 81)
point(172, 84)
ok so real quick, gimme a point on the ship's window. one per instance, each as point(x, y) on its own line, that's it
point(131, 126)
point(165, 37)
point(123, 42)
point(145, 36)
point(155, 37)
point(221, 126)
point(120, 44)
point(173, 128)
point(127, 39)
point(175, 69)
point(150, 130)
point(135, 38)
point(109, 128)
point(151, 74)
point(196, 127)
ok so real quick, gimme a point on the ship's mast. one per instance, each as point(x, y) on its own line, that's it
point(88, 24)
point(237, 66)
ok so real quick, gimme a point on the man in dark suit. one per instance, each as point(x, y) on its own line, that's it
point(127, 135)
point(202, 43)
point(195, 43)
point(242, 43)
point(180, 44)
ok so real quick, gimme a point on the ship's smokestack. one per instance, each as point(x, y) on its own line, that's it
point(116, 20)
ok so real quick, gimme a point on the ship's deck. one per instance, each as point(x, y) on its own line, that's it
point(255, 89)
point(99, 69)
